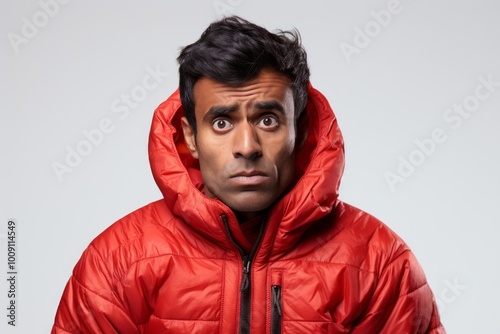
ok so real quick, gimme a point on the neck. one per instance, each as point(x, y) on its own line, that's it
point(246, 216)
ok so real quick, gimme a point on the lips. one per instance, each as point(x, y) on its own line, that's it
point(248, 173)
point(248, 178)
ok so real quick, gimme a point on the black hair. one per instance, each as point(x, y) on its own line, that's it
point(234, 51)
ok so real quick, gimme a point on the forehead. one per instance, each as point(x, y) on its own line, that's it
point(269, 85)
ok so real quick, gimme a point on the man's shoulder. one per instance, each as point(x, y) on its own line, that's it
point(364, 236)
point(365, 226)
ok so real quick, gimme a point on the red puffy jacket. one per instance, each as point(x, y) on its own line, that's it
point(183, 265)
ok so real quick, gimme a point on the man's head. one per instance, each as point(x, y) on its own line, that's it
point(243, 90)
point(234, 51)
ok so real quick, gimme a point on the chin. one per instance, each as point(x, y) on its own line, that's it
point(249, 204)
point(246, 208)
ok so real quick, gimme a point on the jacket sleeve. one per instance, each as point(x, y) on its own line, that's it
point(402, 301)
point(89, 303)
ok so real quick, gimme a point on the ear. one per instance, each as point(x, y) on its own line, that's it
point(302, 130)
point(189, 137)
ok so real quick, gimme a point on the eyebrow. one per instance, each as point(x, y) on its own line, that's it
point(270, 105)
point(216, 111)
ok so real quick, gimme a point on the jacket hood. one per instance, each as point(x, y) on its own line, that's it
point(319, 165)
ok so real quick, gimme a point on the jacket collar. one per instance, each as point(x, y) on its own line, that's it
point(320, 163)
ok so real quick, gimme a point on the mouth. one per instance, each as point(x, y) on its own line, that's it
point(248, 173)
point(248, 178)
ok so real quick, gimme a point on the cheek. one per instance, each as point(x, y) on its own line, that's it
point(284, 159)
point(212, 160)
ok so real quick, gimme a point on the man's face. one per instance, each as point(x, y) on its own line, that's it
point(245, 140)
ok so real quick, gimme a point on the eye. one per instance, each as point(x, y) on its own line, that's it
point(268, 122)
point(221, 124)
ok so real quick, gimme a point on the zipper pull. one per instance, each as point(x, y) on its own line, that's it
point(277, 298)
point(245, 282)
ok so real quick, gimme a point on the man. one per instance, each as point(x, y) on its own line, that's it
point(250, 236)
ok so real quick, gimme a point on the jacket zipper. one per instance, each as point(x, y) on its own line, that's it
point(245, 286)
point(276, 309)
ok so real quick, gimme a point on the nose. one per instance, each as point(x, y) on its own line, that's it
point(246, 142)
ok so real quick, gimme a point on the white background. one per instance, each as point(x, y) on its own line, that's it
point(64, 76)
